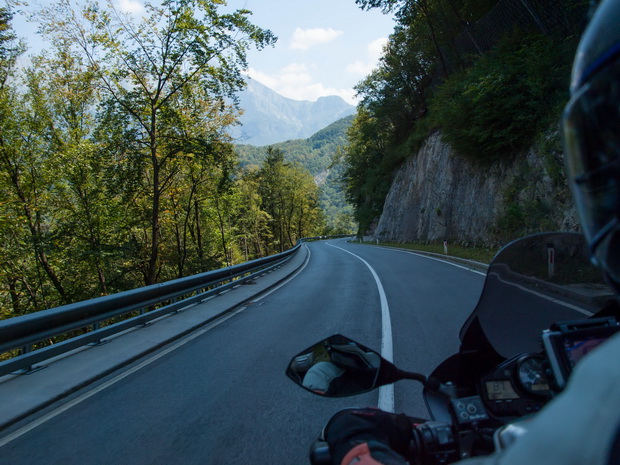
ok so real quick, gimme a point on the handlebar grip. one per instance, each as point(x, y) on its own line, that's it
point(320, 453)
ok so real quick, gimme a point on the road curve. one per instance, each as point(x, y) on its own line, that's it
point(222, 398)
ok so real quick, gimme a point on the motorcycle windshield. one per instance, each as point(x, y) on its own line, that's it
point(532, 283)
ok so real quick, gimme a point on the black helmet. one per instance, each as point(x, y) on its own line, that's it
point(592, 136)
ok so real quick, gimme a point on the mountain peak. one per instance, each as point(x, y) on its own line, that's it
point(269, 117)
point(332, 98)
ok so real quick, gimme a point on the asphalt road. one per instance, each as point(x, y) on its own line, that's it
point(223, 398)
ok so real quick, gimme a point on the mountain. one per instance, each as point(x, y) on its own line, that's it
point(269, 117)
point(319, 155)
point(316, 153)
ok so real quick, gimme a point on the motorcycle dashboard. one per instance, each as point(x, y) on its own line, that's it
point(517, 387)
point(500, 389)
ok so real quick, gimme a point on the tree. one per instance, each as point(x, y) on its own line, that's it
point(391, 118)
point(10, 47)
point(181, 60)
point(24, 143)
point(396, 91)
point(366, 178)
point(25, 138)
point(253, 221)
point(291, 199)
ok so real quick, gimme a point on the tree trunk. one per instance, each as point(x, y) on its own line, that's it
point(94, 240)
point(198, 230)
point(151, 276)
point(33, 225)
point(222, 228)
point(424, 9)
point(14, 296)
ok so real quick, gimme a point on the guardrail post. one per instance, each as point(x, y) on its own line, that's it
point(98, 342)
point(146, 323)
point(174, 300)
point(28, 369)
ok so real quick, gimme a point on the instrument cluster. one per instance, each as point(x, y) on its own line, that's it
point(517, 387)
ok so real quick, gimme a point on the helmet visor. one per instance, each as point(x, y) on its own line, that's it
point(592, 146)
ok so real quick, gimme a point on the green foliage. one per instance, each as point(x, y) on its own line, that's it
point(395, 93)
point(315, 153)
point(166, 76)
point(365, 181)
point(370, 161)
point(115, 167)
point(320, 155)
point(524, 212)
point(498, 106)
point(444, 68)
point(10, 47)
point(390, 124)
point(291, 199)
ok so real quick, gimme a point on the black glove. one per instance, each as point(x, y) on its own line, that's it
point(381, 430)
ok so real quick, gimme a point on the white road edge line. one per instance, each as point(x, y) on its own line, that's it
point(543, 296)
point(63, 408)
point(386, 393)
point(551, 299)
point(283, 283)
point(437, 260)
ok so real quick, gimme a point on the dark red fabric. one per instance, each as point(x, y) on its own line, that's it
point(359, 455)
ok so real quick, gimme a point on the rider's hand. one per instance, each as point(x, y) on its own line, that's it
point(385, 432)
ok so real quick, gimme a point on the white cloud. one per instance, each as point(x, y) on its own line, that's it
point(263, 78)
point(375, 48)
point(131, 6)
point(374, 52)
point(294, 81)
point(304, 39)
point(359, 67)
point(295, 68)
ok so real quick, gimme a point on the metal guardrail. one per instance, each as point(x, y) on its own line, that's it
point(23, 332)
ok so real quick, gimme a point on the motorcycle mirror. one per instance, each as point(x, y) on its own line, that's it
point(340, 367)
point(336, 367)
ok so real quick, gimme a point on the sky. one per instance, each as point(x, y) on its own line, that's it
point(324, 47)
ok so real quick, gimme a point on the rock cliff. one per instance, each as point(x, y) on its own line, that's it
point(437, 196)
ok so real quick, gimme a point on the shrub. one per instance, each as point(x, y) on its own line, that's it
point(497, 107)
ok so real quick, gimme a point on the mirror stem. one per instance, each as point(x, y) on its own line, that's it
point(414, 376)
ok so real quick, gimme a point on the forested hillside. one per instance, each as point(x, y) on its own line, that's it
point(116, 170)
point(490, 76)
point(321, 155)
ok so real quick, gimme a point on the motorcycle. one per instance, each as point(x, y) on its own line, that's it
point(542, 308)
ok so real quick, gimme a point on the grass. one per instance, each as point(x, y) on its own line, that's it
point(479, 254)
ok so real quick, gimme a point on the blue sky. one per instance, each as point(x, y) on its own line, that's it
point(325, 47)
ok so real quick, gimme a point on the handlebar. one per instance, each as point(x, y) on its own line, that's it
point(433, 443)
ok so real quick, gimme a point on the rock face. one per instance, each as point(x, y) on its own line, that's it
point(438, 196)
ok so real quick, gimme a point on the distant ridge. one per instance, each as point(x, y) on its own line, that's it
point(318, 154)
point(270, 118)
